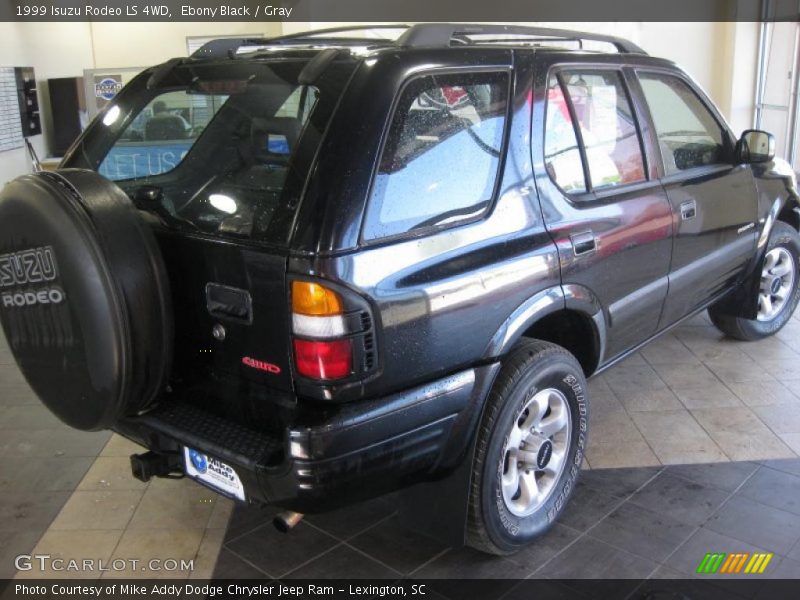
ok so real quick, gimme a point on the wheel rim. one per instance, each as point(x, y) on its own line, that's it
point(535, 452)
point(777, 282)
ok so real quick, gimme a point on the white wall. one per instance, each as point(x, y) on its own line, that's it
point(54, 50)
point(66, 49)
point(114, 43)
point(720, 56)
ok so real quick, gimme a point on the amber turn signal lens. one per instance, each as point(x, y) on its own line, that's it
point(314, 299)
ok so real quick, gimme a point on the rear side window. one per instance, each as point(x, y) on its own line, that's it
point(441, 159)
point(607, 126)
point(688, 134)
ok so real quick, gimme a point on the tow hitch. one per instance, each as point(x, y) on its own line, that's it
point(152, 464)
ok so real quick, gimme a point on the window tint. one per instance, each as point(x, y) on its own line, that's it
point(688, 134)
point(160, 136)
point(217, 150)
point(607, 125)
point(562, 158)
point(441, 159)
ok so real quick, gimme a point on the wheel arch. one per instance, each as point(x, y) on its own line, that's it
point(570, 316)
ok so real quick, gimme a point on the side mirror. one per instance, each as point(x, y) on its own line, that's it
point(756, 146)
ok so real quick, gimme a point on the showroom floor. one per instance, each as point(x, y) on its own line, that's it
point(630, 523)
point(691, 397)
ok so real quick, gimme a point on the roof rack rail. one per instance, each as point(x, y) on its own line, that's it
point(441, 34)
point(226, 47)
point(422, 35)
point(317, 35)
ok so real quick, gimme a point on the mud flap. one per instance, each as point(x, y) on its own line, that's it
point(439, 509)
point(743, 301)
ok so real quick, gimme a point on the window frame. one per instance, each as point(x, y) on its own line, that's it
point(508, 71)
point(592, 193)
point(728, 138)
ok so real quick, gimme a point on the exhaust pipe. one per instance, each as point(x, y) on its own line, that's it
point(286, 520)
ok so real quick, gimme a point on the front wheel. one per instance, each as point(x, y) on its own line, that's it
point(530, 447)
point(778, 292)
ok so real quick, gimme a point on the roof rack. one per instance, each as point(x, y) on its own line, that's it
point(423, 35)
point(318, 35)
point(228, 47)
point(441, 34)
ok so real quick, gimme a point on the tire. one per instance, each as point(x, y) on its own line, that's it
point(782, 251)
point(536, 374)
point(84, 297)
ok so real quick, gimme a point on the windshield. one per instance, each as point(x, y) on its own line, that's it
point(215, 148)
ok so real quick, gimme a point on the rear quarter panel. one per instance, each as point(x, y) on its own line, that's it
point(439, 299)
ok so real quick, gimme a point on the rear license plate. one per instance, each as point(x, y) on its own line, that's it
point(213, 472)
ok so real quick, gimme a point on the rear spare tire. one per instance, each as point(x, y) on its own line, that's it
point(84, 297)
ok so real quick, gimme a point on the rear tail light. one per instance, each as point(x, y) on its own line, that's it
point(314, 299)
point(324, 360)
point(322, 348)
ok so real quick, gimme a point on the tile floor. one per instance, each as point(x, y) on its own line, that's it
point(111, 516)
point(70, 494)
point(42, 462)
point(627, 523)
point(691, 397)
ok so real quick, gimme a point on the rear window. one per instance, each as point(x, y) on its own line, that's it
point(161, 135)
point(441, 159)
point(212, 148)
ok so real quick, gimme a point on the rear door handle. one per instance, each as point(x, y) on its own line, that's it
point(688, 210)
point(583, 243)
point(225, 302)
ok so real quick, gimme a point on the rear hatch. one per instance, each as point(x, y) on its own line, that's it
point(216, 154)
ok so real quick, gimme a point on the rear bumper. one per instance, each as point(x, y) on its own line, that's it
point(341, 455)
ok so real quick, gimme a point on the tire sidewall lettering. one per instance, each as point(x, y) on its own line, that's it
point(519, 530)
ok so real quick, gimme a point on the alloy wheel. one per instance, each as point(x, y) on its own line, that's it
point(777, 282)
point(535, 451)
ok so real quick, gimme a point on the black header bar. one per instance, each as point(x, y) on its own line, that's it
point(512, 11)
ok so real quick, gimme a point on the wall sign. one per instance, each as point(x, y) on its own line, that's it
point(105, 88)
point(10, 123)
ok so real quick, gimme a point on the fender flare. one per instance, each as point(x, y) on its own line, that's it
point(583, 300)
point(571, 296)
point(743, 301)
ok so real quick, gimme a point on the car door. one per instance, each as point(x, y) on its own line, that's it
point(713, 200)
point(602, 203)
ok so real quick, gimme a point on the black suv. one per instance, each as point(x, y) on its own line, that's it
point(313, 269)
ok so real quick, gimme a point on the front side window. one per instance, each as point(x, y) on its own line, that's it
point(688, 134)
point(607, 126)
point(442, 155)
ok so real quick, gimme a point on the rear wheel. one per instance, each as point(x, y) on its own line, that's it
point(778, 291)
point(530, 447)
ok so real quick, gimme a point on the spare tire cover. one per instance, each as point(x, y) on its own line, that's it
point(84, 296)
